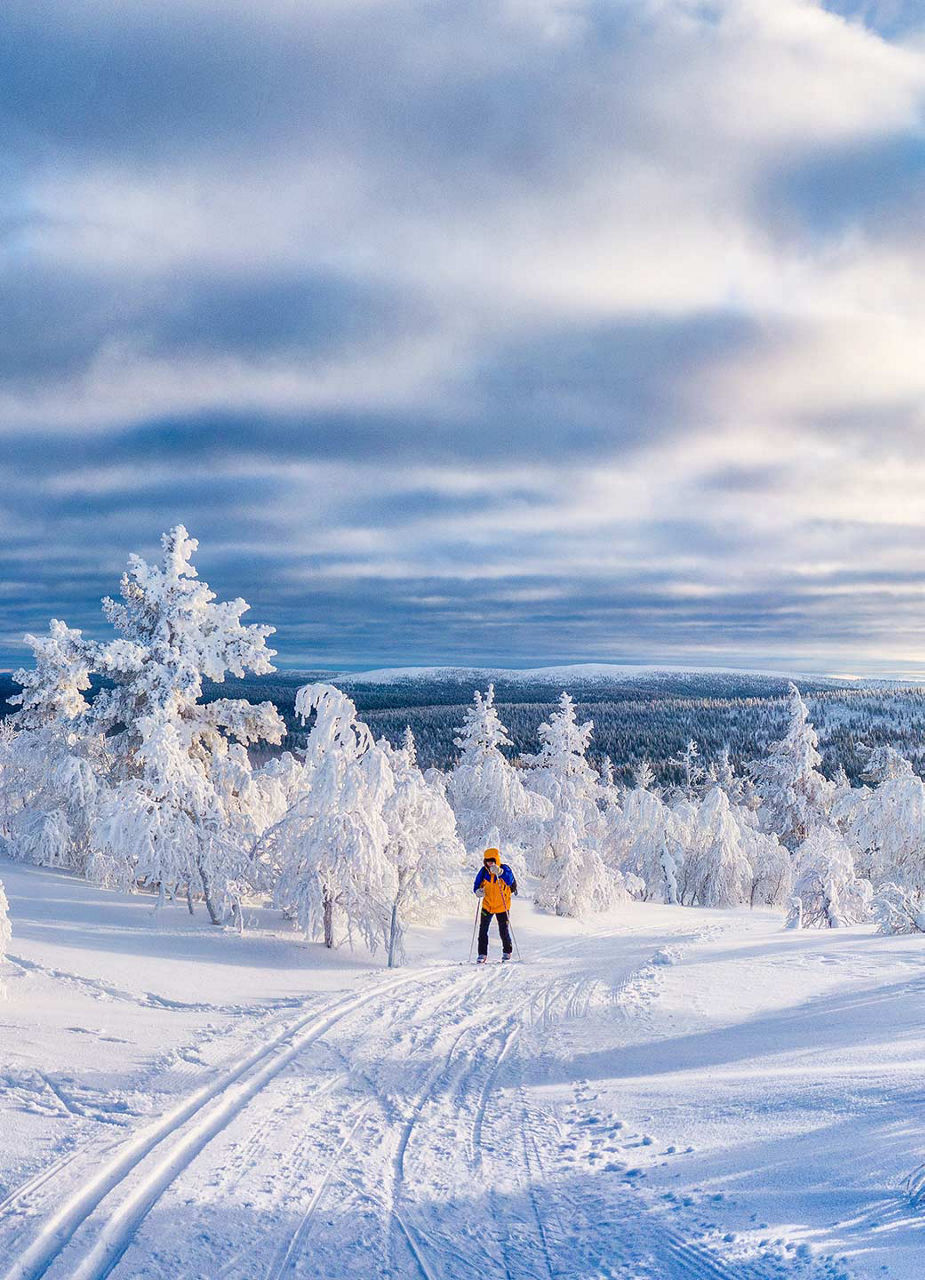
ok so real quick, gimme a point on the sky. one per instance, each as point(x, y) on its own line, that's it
point(482, 333)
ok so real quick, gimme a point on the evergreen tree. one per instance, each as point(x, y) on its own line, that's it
point(486, 791)
point(5, 932)
point(331, 848)
point(141, 762)
point(795, 796)
point(885, 826)
point(716, 870)
point(423, 847)
point(574, 878)
point(824, 880)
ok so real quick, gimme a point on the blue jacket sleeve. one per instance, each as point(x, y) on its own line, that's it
point(480, 876)
point(507, 875)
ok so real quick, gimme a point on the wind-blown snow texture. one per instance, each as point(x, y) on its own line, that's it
point(662, 1093)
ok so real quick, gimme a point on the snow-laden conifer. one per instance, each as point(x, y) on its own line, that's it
point(486, 791)
point(825, 881)
point(794, 795)
point(53, 754)
point(693, 772)
point(885, 825)
point(716, 871)
point(5, 933)
point(649, 839)
point(423, 847)
point(331, 850)
point(574, 878)
point(141, 763)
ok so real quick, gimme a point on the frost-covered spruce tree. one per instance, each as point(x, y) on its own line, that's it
point(646, 837)
point(164, 819)
point(716, 870)
point(331, 849)
point(693, 772)
point(794, 795)
point(423, 847)
point(157, 815)
point(885, 826)
point(53, 754)
point(484, 788)
point(574, 878)
point(5, 932)
point(824, 880)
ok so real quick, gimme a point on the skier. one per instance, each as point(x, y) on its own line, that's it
point(494, 884)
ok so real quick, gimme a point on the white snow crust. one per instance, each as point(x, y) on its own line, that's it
point(657, 1092)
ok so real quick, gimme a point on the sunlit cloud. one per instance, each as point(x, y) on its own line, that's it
point(499, 332)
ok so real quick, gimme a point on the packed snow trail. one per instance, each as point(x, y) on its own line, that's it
point(427, 1082)
point(575, 1117)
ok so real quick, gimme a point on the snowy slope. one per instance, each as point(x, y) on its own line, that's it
point(658, 1094)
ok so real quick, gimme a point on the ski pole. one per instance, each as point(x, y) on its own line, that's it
point(475, 926)
point(514, 938)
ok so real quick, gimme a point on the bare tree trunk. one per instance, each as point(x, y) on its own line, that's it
point(328, 921)
point(207, 895)
point(189, 896)
point(393, 934)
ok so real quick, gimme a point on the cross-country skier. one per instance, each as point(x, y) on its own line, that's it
point(494, 884)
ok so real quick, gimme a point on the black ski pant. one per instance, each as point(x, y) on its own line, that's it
point(503, 929)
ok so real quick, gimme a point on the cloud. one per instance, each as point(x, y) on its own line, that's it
point(524, 330)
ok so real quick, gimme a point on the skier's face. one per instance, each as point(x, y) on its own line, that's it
point(490, 866)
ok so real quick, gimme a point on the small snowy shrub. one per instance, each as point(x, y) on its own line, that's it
point(899, 910)
point(825, 881)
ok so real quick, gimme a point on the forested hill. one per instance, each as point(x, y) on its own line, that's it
point(648, 715)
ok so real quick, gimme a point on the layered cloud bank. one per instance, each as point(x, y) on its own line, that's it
point(528, 331)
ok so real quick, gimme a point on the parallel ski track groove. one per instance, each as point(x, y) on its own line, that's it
point(280, 1265)
point(264, 1062)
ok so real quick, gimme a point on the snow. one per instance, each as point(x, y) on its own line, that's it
point(580, 671)
point(656, 1093)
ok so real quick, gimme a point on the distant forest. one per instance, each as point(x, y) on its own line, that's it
point(649, 718)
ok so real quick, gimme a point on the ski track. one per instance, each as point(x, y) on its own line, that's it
point(400, 1023)
point(296, 1243)
point(101, 990)
point(229, 1091)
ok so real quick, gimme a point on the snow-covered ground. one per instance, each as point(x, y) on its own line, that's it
point(659, 1093)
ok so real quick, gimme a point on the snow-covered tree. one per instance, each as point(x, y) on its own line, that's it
point(427, 854)
point(693, 772)
point(795, 796)
point(141, 762)
point(5, 932)
point(484, 788)
point(899, 910)
point(825, 881)
point(574, 878)
point(716, 871)
point(331, 849)
point(52, 756)
point(770, 861)
point(647, 840)
point(885, 826)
